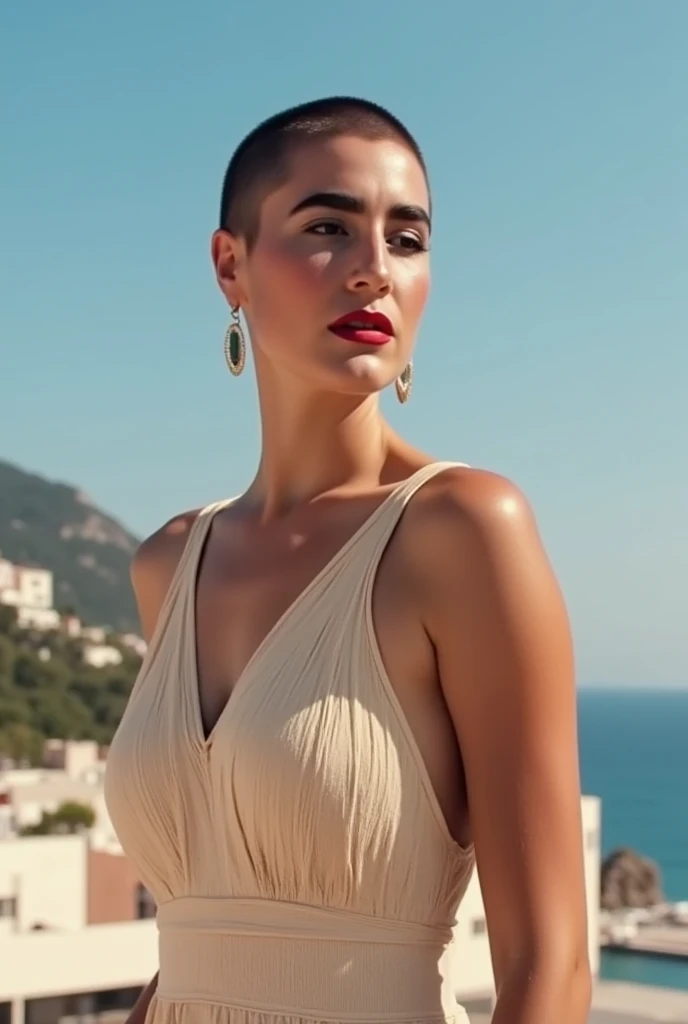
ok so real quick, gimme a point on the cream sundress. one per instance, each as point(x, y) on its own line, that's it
point(301, 863)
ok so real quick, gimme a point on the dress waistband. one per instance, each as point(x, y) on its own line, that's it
point(312, 963)
point(262, 918)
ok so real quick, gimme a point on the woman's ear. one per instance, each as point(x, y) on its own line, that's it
point(227, 253)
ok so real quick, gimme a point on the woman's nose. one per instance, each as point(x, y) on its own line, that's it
point(372, 271)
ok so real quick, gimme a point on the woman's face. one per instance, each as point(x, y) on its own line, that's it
point(348, 233)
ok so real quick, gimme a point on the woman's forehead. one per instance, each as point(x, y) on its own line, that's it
point(381, 172)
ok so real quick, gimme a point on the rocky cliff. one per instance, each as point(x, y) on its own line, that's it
point(629, 880)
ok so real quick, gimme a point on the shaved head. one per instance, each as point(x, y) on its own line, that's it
point(261, 161)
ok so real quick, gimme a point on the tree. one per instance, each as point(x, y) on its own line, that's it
point(74, 817)
point(69, 819)
point(60, 714)
point(8, 619)
point(21, 742)
point(8, 655)
point(29, 671)
point(58, 698)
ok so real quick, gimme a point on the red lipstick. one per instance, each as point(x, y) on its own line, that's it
point(363, 327)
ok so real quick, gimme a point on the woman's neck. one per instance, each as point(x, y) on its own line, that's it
point(326, 443)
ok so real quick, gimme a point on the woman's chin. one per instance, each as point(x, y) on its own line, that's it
point(368, 370)
point(364, 375)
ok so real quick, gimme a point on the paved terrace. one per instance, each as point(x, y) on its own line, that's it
point(618, 1003)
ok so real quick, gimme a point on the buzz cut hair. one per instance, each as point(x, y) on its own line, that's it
point(260, 161)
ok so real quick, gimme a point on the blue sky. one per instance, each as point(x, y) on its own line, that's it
point(554, 348)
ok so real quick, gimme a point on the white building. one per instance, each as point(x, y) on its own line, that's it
point(53, 963)
point(71, 626)
point(135, 643)
point(72, 967)
point(73, 772)
point(100, 655)
point(77, 758)
point(30, 591)
point(94, 634)
point(21, 585)
point(42, 884)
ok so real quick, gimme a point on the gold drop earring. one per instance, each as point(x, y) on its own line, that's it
point(235, 344)
point(404, 383)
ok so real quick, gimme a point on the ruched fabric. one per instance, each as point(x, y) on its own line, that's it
point(301, 863)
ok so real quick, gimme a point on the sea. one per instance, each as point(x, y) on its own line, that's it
point(634, 756)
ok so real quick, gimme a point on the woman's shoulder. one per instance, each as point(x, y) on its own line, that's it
point(166, 543)
point(155, 562)
point(464, 494)
point(468, 516)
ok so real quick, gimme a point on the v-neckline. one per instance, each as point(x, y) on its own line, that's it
point(201, 737)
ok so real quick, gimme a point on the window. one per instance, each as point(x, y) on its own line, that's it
point(145, 904)
point(479, 926)
point(8, 907)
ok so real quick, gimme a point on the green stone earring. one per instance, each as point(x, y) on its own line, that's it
point(404, 383)
point(235, 345)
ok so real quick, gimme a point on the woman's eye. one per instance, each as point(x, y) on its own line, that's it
point(410, 242)
point(325, 227)
point(407, 241)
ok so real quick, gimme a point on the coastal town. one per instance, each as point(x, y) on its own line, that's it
point(78, 938)
point(29, 591)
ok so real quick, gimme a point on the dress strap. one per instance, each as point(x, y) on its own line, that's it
point(405, 491)
point(393, 509)
point(195, 541)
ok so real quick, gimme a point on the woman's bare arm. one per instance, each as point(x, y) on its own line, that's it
point(140, 1008)
point(500, 629)
point(152, 569)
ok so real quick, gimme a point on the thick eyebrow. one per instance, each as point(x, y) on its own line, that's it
point(353, 204)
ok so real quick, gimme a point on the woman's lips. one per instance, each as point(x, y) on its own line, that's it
point(363, 328)
point(361, 335)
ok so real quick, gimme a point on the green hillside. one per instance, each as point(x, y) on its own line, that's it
point(57, 527)
point(57, 696)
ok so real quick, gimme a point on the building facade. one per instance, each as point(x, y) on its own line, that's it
point(23, 586)
point(77, 937)
point(30, 591)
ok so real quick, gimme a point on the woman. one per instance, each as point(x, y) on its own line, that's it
point(359, 676)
